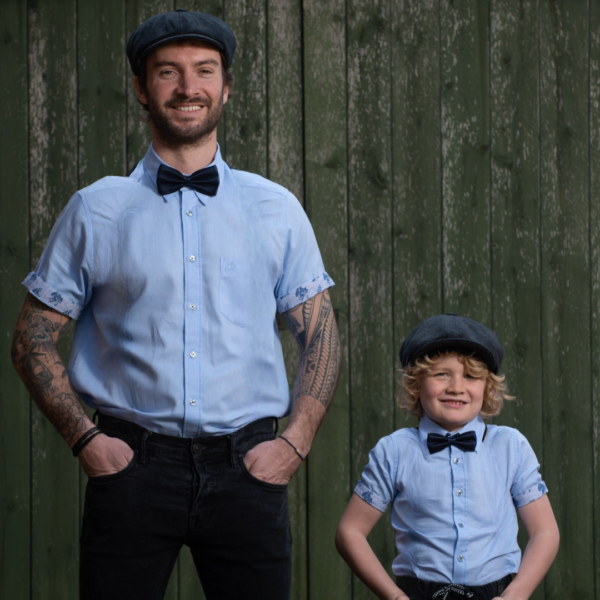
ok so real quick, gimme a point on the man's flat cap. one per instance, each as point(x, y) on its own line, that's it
point(179, 25)
point(451, 332)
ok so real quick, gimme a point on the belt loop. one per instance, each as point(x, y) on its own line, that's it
point(95, 417)
point(146, 435)
point(275, 425)
point(232, 450)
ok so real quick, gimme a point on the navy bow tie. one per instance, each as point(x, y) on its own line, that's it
point(463, 441)
point(205, 181)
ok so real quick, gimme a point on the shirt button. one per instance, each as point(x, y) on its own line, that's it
point(459, 492)
point(193, 354)
point(460, 558)
point(456, 461)
point(192, 306)
point(192, 258)
point(189, 213)
point(193, 402)
point(460, 525)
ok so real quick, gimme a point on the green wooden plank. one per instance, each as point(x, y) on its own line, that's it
point(138, 132)
point(417, 202)
point(15, 439)
point(370, 219)
point(516, 291)
point(329, 485)
point(568, 455)
point(465, 158)
point(285, 166)
point(246, 122)
point(53, 179)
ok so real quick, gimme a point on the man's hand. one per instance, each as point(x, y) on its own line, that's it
point(273, 462)
point(105, 455)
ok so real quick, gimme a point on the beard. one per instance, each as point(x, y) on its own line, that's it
point(175, 135)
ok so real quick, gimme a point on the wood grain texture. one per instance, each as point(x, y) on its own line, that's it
point(329, 486)
point(416, 151)
point(53, 179)
point(465, 158)
point(370, 259)
point(15, 438)
point(565, 306)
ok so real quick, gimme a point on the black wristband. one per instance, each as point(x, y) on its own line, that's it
point(85, 439)
point(294, 447)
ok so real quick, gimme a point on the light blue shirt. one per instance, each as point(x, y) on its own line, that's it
point(176, 297)
point(453, 512)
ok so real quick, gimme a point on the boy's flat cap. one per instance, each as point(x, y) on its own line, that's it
point(451, 332)
point(179, 25)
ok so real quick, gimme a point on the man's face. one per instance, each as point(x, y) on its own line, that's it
point(184, 92)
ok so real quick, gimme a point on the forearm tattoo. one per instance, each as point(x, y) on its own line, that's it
point(40, 366)
point(320, 354)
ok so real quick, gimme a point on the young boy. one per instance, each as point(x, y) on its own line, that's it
point(453, 483)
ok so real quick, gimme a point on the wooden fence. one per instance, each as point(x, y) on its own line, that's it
point(448, 155)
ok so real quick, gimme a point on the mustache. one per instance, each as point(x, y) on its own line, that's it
point(185, 100)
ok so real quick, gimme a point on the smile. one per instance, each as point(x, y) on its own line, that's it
point(187, 108)
point(453, 402)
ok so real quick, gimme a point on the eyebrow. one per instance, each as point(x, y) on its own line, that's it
point(170, 63)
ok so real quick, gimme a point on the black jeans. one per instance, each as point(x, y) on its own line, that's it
point(179, 491)
point(417, 589)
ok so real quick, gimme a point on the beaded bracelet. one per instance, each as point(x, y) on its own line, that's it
point(302, 456)
point(85, 439)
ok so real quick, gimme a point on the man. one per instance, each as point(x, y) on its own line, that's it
point(174, 281)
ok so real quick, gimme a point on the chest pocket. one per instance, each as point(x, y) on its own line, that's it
point(237, 292)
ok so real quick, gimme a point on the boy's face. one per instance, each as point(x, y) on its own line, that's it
point(449, 395)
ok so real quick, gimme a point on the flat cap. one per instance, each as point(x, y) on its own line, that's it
point(179, 25)
point(451, 332)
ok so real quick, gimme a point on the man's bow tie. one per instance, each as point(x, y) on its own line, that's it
point(463, 441)
point(205, 181)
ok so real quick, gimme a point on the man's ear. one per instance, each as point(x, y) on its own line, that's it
point(141, 94)
point(225, 93)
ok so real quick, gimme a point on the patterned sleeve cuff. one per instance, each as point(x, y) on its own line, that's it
point(304, 292)
point(533, 493)
point(42, 291)
point(371, 497)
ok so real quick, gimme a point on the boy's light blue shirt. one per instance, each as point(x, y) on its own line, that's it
point(176, 297)
point(453, 512)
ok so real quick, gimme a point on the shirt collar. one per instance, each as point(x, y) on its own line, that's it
point(152, 161)
point(427, 426)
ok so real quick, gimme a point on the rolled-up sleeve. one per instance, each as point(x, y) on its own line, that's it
point(302, 272)
point(527, 483)
point(376, 484)
point(62, 278)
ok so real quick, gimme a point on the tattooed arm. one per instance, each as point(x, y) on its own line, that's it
point(313, 325)
point(38, 363)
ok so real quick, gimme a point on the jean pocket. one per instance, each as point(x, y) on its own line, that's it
point(236, 291)
point(274, 487)
point(119, 474)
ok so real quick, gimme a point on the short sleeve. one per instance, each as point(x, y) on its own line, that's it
point(376, 484)
point(63, 277)
point(302, 274)
point(527, 483)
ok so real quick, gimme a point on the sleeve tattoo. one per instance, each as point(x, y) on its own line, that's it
point(40, 366)
point(313, 325)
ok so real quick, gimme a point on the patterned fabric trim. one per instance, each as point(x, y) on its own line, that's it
point(537, 491)
point(304, 292)
point(42, 291)
point(368, 496)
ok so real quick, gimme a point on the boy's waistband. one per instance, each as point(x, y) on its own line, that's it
point(417, 589)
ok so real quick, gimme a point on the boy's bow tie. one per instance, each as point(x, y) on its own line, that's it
point(466, 442)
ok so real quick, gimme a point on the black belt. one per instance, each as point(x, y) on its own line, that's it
point(417, 589)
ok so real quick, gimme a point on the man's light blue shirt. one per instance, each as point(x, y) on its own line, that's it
point(453, 512)
point(176, 297)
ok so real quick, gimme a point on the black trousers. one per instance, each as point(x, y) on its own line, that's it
point(179, 491)
point(417, 589)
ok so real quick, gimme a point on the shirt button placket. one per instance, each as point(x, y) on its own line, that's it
point(458, 481)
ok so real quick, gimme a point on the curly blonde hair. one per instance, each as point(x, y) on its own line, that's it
point(407, 395)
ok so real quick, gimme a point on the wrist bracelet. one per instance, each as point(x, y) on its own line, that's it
point(294, 447)
point(85, 439)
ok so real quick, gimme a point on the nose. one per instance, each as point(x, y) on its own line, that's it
point(187, 84)
point(456, 385)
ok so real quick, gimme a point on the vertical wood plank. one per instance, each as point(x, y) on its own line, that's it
point(516, 291)
point(246, 122)
point(325, 139)
point(564, 89)
point(370, 217)
point(416, 139)
point(285, 166)
point(53, 179)
point(15, 438)
point(465, 162)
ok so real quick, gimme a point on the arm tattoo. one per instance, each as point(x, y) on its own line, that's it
point(320, 355)
point(40, 366)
